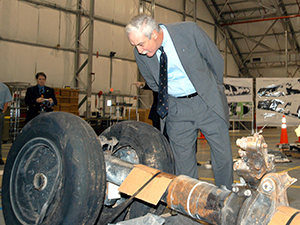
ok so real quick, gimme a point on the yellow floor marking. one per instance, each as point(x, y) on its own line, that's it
point(297, 167)
point(206, 178)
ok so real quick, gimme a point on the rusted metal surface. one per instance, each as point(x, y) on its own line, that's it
point(261, 206)
point(202, 201)
point(255, 200)
point(255, 161)
point(190, 196)
point(206, 202)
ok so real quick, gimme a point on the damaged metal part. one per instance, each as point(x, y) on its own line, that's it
point(255, 200)
point(126, 153)
point(206, 202)
point(200, 200)
point(263, 204)
point(111, 142)
point(255, 161)
point(116, 170)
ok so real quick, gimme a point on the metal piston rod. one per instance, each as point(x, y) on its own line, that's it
point(261, 202)
point(206, 202)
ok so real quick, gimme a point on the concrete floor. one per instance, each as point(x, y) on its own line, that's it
point(271, 135)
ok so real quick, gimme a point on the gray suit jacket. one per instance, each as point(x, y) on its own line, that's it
point(201, 60)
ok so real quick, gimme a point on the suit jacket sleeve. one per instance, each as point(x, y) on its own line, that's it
point(31, 96)
point(147, 70)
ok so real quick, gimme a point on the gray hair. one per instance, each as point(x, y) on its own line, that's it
point(143, 23)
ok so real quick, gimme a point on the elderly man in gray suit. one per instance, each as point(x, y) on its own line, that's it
point(195, 99)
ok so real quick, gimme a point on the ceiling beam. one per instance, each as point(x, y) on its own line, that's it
point(287, 25)
point(253, 9)
point(273, 34)
point(259, 42)
point(252, 40)
point(231, 43)
point(260, 20)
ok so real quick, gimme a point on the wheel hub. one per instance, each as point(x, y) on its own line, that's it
point(36, 177)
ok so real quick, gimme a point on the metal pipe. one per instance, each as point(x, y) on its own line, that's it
point(111, 55)
point(286, 53)
point(260, 20)
point(77, 42)
point(226, 60)
point(206, 202)
point(116, 169)
point(90, 59)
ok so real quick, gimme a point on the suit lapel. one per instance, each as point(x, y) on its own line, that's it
point(153, 65)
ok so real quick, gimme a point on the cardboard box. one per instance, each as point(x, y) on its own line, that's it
point(74, 100)
point(143, 115)
point(65, 108)
point(75, 112)
point(56, 91)
point(153, 192)
point(58, 99)
point(74, 93)
point(64, 99)
point(65, 92)
point(74, 108)
point(56, 108)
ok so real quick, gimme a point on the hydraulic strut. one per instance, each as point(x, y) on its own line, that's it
point(260, 197)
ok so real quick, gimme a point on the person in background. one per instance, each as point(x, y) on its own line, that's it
point(5, 98)
point(39, 98)
point(185, 67)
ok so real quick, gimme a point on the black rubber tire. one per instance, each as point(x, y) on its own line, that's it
point(152, 149)
point(64, 150)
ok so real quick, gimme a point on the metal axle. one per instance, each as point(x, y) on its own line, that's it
point(206, 202)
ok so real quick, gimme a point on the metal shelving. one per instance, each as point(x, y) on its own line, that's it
point(18, 108)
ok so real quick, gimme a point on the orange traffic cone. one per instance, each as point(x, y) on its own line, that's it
point(284, 136)
point(201, 136)
point(298, 141)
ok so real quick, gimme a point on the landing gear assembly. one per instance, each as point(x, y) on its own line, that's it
point(58, 171)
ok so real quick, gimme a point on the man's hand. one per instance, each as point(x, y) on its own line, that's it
point(139, 84)
point(50, 100)
point(40, 100)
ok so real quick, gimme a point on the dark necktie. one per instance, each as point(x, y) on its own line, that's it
point(163, 105)
point(42, 91)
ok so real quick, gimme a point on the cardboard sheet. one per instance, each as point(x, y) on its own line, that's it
point(140, 174)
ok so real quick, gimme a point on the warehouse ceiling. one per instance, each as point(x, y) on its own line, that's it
point(260, 33)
